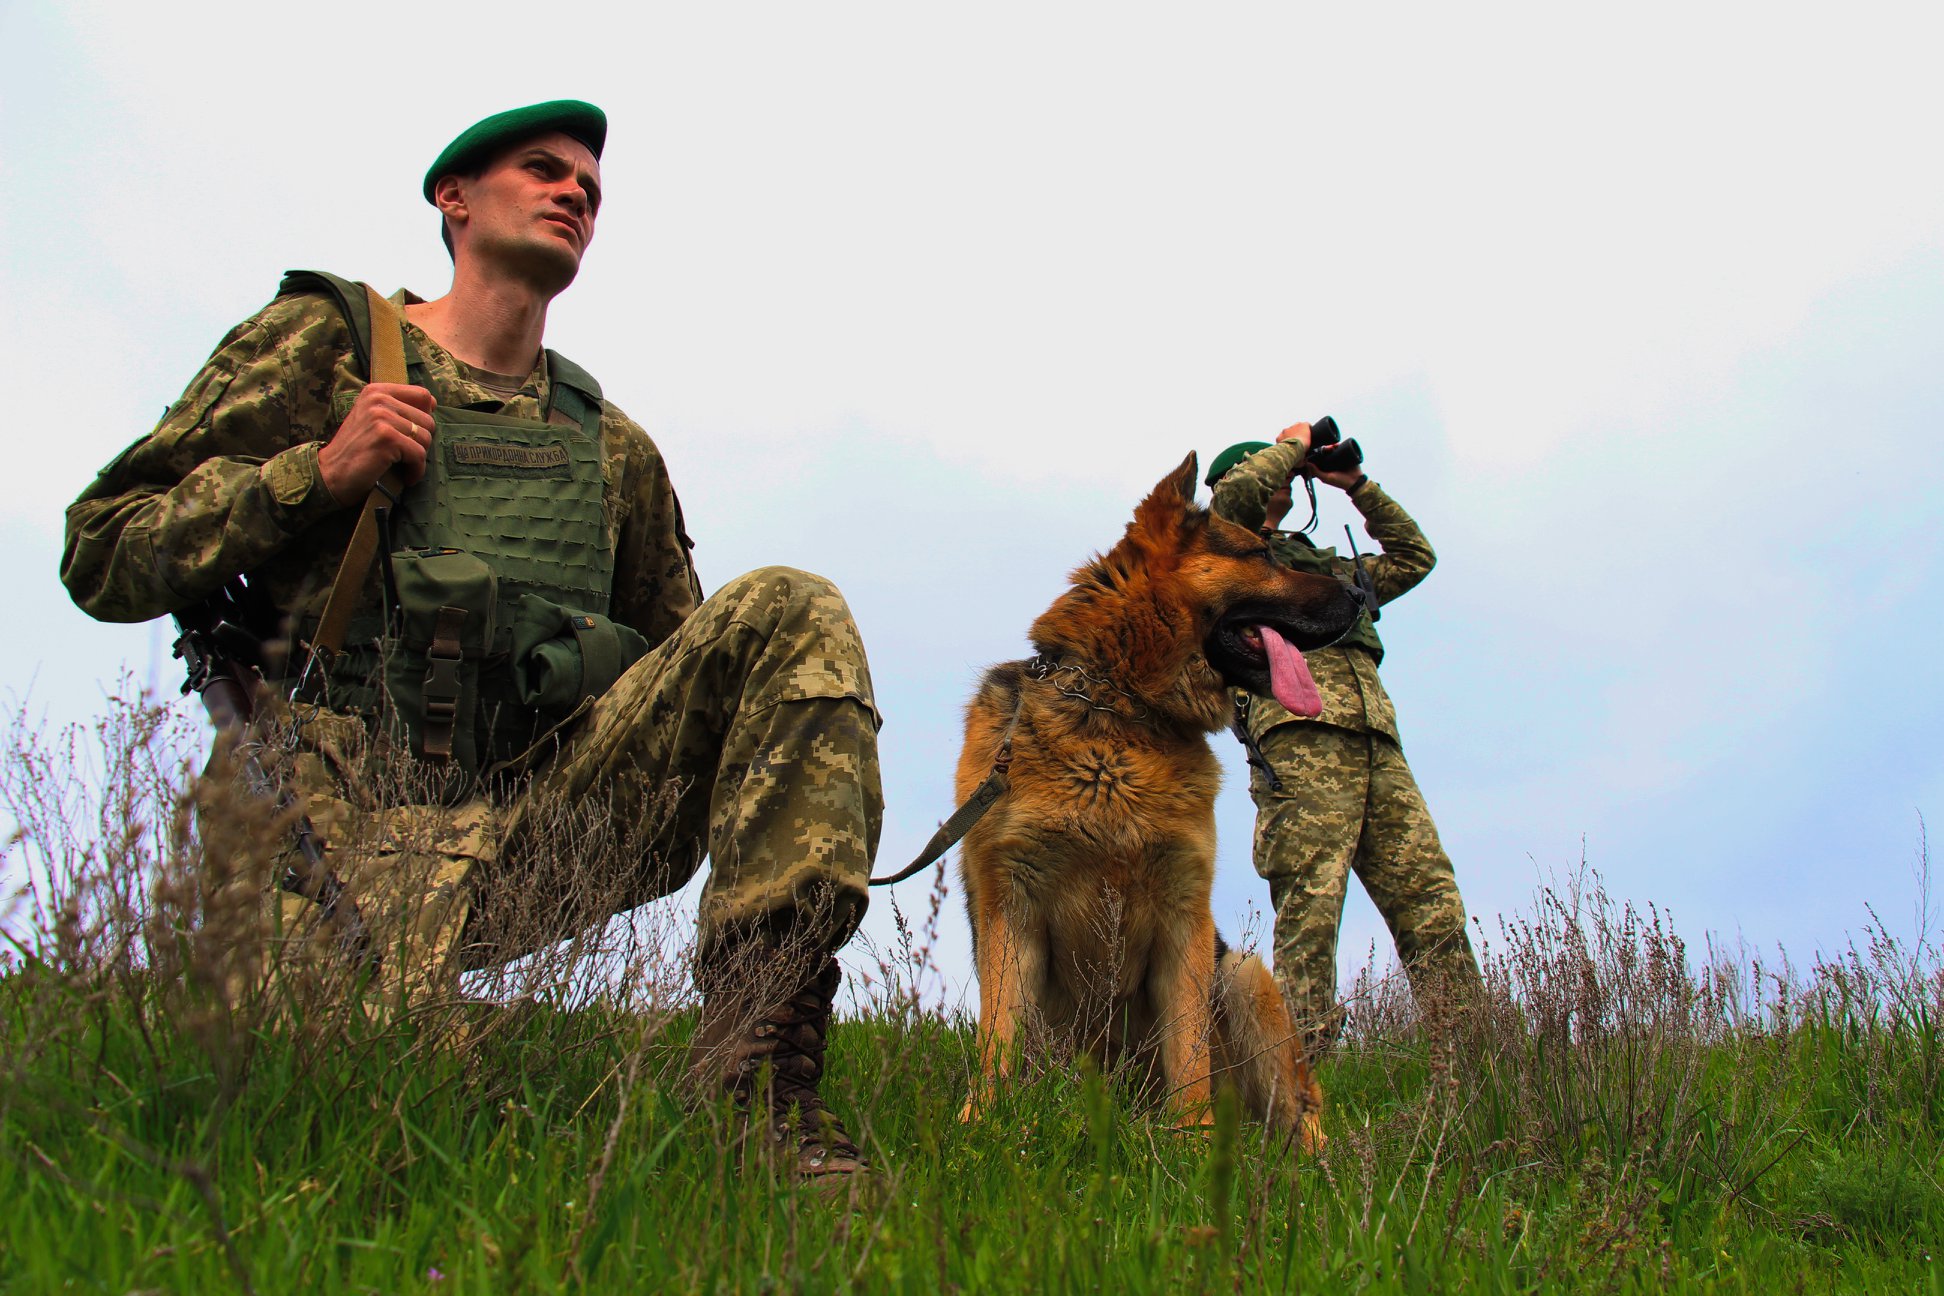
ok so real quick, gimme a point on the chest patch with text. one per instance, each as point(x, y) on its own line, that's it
point(498, 456)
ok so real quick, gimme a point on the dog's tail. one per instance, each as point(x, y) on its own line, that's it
point(1258, 1049)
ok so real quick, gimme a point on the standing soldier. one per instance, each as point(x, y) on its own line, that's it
point(533, 631)
point(1347, 800)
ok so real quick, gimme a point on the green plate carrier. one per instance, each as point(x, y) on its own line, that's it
point(502, 568)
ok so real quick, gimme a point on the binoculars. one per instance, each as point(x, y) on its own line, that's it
point(1329, 451)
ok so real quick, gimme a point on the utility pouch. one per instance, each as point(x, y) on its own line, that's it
point(561, 657)
point(447, 602)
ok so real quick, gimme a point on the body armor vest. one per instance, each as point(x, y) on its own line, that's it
point(497, 571)
point(1295, 550)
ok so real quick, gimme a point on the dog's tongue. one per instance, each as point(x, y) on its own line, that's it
point(1289, 676)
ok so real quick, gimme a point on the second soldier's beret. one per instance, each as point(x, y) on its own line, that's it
point(481, 140)
point(1230, 457)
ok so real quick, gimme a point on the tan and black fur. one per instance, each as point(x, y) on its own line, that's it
point(1088, 883)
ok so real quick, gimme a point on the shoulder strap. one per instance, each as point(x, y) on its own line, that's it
point(353, 302)
point(385, 355)
point(572, 395)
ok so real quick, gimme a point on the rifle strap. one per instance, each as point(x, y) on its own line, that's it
point(1252, 749)
point(387, 366)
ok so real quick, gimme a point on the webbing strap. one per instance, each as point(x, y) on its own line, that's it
point(573, 397)
point(600, 649)
point(442, 688)
point(387, 366)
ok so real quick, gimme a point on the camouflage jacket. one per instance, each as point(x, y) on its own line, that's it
point(228, 482)
point(1346, 675)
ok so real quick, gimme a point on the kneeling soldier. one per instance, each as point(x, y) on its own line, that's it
point(533, 630)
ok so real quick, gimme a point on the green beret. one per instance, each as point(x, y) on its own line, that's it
point(1230, 457)
point(480, 141)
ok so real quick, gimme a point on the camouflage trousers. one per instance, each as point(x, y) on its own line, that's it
point(1349, 804)
point(749, 735)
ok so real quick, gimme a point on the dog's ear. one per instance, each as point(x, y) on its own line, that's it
point(1185, 478)
point(1162, 516)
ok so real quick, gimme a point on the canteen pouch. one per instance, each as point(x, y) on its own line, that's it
point(562, 657)
point(447, 602)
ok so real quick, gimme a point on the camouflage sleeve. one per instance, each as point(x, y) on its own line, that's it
point(655, 585)
point(226, 479)
point(1242, 496)
point(1406, 556)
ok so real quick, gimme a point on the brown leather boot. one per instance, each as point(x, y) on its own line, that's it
point(770, 1060)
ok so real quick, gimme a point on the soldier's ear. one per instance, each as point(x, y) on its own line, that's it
point(449, 196)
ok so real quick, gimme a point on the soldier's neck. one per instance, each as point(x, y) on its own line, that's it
point(490, 322)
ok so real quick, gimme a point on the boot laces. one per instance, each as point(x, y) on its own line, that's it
point(798, 1035)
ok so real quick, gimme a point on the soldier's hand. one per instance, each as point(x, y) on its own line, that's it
point(1343, 481)
point(390, 424)
point(1296, 432)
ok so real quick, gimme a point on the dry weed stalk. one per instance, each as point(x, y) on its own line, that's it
point(91, 811)
point(898, 983)
point(1590, 1034)
point(148, 903)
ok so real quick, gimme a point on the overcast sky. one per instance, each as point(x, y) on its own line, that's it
point(1640, 315)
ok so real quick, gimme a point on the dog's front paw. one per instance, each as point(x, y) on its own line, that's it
point(1196, 1120)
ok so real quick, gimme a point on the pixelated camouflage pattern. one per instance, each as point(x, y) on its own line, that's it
point(1242, 495)
point(1353, 697)
point(749, 734)
point(228, 482)
point(409, 869)
point(1349, 804)
point(760, 710)
point(756, 704)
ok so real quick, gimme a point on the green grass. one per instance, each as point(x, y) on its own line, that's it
point(1608, 1119)
point(376, 1161)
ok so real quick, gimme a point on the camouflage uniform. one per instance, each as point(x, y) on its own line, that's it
point(749, 728)
point(1348, 801)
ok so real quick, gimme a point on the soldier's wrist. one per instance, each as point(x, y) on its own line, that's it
point(296, 485)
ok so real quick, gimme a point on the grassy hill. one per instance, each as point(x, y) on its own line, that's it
point(1616, 1116)
point(531, 1149)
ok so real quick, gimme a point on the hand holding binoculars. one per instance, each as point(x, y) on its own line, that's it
point(1328, 451)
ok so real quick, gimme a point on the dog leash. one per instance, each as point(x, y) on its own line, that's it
point(972, 811)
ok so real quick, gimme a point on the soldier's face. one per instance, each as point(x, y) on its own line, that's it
point(532, 209)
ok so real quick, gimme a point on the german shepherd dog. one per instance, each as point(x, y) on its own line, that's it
point(1088, 882)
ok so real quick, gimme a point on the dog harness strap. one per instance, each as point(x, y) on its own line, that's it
point(971, 812)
